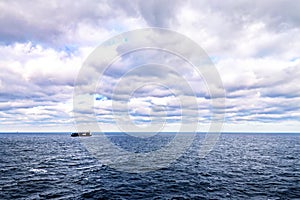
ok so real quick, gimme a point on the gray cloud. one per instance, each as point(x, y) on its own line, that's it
point(51, 23)
point(56, 23)
point(277, 14)
point(159, 13)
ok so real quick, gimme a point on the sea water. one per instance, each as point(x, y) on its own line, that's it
point(241, 166)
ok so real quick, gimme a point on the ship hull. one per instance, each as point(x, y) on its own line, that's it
point(81, 134)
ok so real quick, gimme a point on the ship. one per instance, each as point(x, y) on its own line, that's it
point(81, 134)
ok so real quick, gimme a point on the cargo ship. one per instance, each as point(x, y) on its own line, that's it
point(81, 134)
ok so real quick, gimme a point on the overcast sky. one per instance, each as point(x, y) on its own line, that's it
point(255, 46)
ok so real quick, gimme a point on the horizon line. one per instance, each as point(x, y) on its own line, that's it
point(222, 132)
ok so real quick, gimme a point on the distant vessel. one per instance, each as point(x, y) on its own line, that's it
point(81, 134)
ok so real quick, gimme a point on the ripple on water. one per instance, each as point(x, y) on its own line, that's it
point(56, 166)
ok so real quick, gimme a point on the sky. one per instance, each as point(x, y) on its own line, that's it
point(254, 45)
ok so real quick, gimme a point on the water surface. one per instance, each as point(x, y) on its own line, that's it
point(241, 166)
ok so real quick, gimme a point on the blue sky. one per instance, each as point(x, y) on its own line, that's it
point(255, 46)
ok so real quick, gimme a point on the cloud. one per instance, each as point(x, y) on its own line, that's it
point(36, 85)
point(157, 15)
point(254, 45)
point(278, 15)
point(58, 23)
point(242, 29)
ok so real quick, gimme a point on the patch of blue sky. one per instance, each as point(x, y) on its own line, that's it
point(168, 120)
point(135, 114)
point(141, 121)
point(294, 59)
point(70, 49)
point(106, 121)
point(99, 97)
point(215, 59)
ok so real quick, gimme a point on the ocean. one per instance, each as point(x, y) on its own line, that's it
point(241, 166)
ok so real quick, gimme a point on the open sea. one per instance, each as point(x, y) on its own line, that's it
point(241, 166)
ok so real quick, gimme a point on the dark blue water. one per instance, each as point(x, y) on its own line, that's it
point(241, 166)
